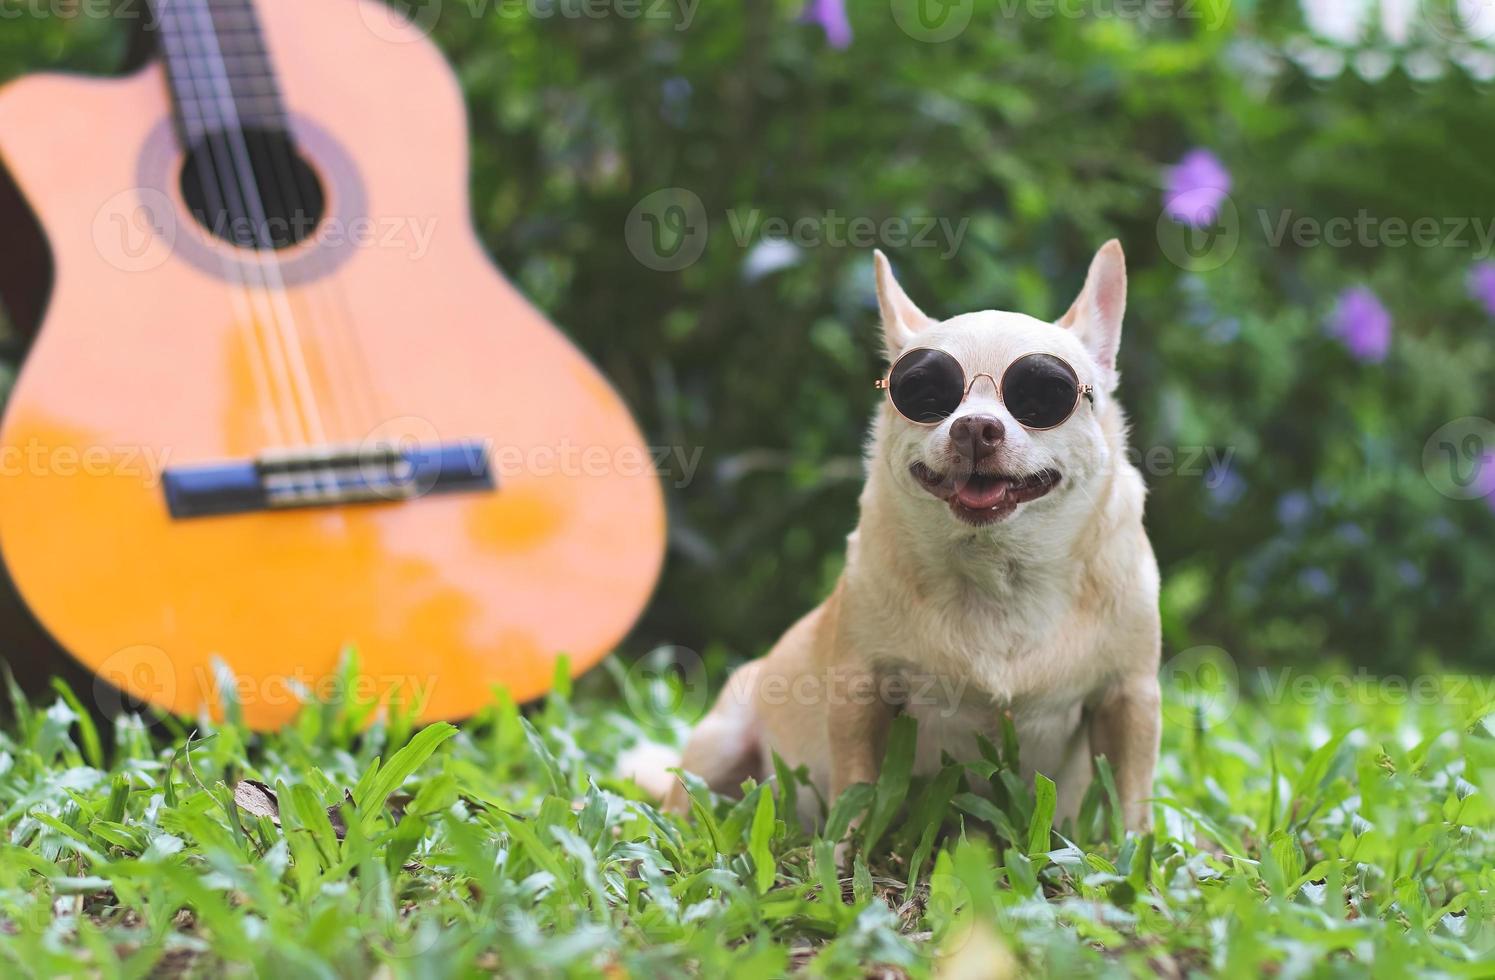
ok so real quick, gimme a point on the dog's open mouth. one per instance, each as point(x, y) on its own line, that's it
point(984, 498)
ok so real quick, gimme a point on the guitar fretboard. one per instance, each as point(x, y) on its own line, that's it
point(218, 68)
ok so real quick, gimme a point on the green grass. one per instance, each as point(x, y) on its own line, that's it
point(1309, 837)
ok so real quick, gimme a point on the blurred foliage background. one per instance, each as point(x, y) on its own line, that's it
point(1040, 129)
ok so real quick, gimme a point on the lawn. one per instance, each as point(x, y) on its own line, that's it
point(1315, 827)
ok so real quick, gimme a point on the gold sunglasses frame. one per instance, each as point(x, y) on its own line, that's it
point(1082, 390)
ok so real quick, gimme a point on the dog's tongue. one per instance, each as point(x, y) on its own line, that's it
point(981, 494)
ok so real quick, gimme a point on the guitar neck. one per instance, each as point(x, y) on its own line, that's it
point(218, 69)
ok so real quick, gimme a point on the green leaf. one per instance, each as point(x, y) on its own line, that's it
point(984, 809)
point(758, 843)
point(1046, 797)
point(927, 817)
point(700, 797)
point(1020, 874)
point(787, 790)
point(1010, 759)
point(893, 780)
point(393, 774)
point(853, 802)
point(307, 813)
point(738, 821)
point(1107, 779)
point(1139, 873)
point(1317, 772)
point(529, 846)
point(548, 763)
point(88, 733)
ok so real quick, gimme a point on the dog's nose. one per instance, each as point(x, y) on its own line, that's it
point(977, 436)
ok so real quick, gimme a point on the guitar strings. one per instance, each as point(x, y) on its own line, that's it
point(283, 179)
point(357, 404)
point(246, 195)
point(297, 189)
point(271, 285)
point(214, 202)
point(279, 183)
point(217, 194)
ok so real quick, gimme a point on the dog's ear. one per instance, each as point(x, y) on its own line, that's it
point(1096, 315)
point(901, 319)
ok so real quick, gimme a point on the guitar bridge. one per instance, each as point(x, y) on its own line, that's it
point(326, 476)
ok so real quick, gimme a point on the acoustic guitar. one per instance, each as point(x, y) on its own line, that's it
point(280, 405)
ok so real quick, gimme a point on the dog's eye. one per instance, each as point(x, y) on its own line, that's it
point(1040, 390)
point(926, 385)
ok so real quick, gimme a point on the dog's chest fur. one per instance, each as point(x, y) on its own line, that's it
point(1005, 632)
point(986, 633)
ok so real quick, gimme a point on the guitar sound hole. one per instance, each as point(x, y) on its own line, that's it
point(253, 189)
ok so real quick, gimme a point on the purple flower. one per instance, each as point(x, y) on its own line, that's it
point(674, 102)
point(1196, 187)
point(1363, 323)
point(1482, 285)
point(1294, 508)
point(1351, 534)
point(1225, 487)
point(831, 16)
point(1484, 478)
point(1316, 581)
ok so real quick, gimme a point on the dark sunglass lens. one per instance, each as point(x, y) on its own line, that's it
point(926, 385)
point(1040, 390)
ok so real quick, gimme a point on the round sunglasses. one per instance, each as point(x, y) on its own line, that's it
point(1041, 391)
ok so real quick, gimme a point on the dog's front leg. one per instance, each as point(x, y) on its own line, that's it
point(1125, 727)
point(856, 727)
point(857, 722)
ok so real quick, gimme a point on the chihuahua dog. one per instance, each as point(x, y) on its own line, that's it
point(999, 567)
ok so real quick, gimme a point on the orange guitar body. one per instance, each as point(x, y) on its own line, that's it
point(149, 357)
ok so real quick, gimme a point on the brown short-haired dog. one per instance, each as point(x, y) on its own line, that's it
point(1000, 566)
